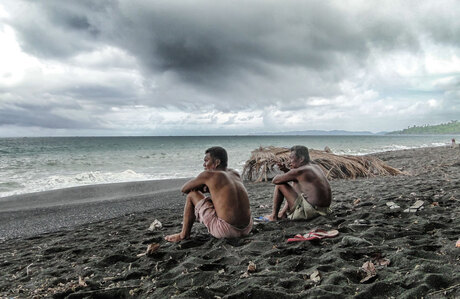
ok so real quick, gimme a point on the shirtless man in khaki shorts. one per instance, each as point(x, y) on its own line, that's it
point(306, 189)
point(226, 211)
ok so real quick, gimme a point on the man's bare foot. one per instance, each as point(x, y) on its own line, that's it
point(174, 238)
point(281, 215)
point(271, 218)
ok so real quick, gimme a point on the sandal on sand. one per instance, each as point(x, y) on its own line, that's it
point(261, 219)
point(316, 234)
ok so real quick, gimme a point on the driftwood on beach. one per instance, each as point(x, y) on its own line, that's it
point(263, 163)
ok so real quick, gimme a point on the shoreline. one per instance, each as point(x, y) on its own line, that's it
point(100, 258)
point(27, 215)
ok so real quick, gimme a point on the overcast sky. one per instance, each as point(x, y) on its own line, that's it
point(99, 67)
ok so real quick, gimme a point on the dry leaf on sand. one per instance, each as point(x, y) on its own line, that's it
point(369, 269)
point(81, 282)
point(151, 249)
point(379, 260)
point(382, 262)
point(252, 267)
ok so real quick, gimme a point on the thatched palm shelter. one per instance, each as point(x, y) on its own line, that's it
point(264, 160)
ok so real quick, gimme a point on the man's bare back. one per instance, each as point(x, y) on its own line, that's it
point(304, 181)
point(228, 201)
point(310, 180)
point(228, 194)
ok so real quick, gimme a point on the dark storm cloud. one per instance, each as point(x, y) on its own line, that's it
point(57, 29)
point(212, 44)
point(225, 57)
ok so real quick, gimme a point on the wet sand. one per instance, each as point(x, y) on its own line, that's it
point(414, 254)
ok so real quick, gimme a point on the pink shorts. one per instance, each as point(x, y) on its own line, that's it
point(206, 214)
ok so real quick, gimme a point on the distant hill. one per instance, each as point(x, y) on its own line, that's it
point(452, 127)
point(320, 132)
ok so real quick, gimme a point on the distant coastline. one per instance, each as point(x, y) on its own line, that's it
point(319, 133)
point(452, 127)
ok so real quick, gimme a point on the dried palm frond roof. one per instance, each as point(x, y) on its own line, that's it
point(263, 162)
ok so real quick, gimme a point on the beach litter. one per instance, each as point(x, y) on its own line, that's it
point(81, 282)
point(315, 276)
point(261, 219)
point(252, 267)
point(392, 205)
point(369, 270)
point(354, 241)
point(151, 249)
point(417, 206)
point(457, 244)
point(315, 234)
point(380, 261)
point(27, 269)
point(155, 225)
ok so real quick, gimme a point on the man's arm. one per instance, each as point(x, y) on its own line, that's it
point(290, 176)
point(197, 183)
point(283, 167)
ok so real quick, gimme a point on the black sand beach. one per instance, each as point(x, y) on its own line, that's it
point(89, 247)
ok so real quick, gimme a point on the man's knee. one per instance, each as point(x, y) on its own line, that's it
point(282, 188)
point(194, 197)
point(279, 186)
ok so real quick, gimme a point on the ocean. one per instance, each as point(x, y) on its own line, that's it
point(40, 164)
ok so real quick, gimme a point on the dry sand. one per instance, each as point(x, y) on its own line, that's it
point(100, 259)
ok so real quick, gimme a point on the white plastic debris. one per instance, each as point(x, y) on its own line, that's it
point(155, 225)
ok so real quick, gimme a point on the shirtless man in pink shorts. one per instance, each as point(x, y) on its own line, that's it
point(226, 211)
point(304, 186)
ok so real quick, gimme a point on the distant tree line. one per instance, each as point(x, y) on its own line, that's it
point(452, 127)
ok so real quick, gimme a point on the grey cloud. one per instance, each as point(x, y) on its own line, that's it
point(29, 116)
point(208, 43)
point(209, 56)
point(101, 94)
point(56, 29)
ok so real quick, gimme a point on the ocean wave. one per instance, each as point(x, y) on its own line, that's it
point(65, 163)
point(386, 148)
point(54, 182)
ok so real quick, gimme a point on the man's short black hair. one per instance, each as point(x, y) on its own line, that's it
point(301, 151)
point(217, 152)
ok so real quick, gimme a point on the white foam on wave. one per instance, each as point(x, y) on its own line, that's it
point(387, 148)
point(439, 144)
point(54, 182)
point(23, 181)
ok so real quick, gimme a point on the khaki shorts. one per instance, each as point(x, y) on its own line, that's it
point(304, 210)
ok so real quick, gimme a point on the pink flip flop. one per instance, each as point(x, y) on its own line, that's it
point(316, 234)
point(326, 234)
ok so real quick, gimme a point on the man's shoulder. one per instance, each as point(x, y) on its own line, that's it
point(308, 168)
point(233, 171)
point(213, 173)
